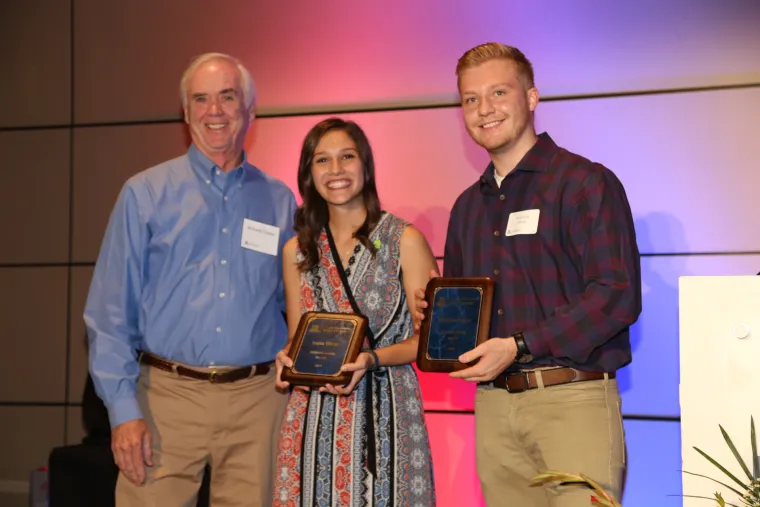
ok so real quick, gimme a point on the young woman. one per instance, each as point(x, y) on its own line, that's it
point(365, 443)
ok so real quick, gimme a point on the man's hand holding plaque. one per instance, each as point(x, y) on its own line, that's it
point(323, 343)
point(457, 319)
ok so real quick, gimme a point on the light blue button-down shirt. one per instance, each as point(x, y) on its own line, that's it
point(173, 279)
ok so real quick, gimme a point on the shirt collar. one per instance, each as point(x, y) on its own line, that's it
point(537, 159)
point(206, 169)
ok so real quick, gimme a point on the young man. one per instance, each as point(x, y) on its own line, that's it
point(555, 233)
point(184, 313)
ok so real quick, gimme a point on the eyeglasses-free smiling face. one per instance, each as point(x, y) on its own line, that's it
point(497, 105)
point(337, 169)
point(216, 113)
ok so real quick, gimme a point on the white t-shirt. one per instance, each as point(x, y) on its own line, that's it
point(498, 179)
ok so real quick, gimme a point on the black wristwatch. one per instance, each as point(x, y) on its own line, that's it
point(523, 354)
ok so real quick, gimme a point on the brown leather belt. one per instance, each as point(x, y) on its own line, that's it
point(216, 377)
point(520, 381)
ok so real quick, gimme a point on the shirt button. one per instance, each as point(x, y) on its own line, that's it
point(226, 198)
point(224, 230)
point(224, 262)
point(208, 182)
point(211, 363)
point(218, 171)
point(219, 330)
point(222, 294)
point(496, 271)
point(500, 312)
point(495, 233)
point(501, 197)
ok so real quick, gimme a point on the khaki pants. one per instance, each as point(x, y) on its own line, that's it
point(233, 427)
point(573, 428)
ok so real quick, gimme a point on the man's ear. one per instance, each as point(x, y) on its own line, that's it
point(533, 98)
point(187, 118)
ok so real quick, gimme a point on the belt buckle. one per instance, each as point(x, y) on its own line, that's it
point(522, 374)
point(212, 377)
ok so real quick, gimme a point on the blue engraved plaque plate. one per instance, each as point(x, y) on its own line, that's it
point(323, 343)
point(457, 319)
point(324, 346)
point(454, 322)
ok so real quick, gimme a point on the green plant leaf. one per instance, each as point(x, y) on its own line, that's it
point(711, 498)
point(715, 481)
point(736, 453)
point(754, 448)
point(721, 468)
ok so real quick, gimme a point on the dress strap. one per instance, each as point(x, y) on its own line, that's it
point(346, 286)
point(369, 413)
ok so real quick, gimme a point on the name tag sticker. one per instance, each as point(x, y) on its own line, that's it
point(260, 237)
point(523, 222)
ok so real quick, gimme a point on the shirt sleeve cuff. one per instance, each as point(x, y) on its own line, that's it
point(123, 410)
point(537, 345)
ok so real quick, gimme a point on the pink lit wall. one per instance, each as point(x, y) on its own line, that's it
point(665, 93)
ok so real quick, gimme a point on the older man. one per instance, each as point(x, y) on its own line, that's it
point(184, 311)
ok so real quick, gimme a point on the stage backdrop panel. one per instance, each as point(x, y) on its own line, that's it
point(654, 464)
point(129, 55)
point(452, 443)
point(78, 347)
point(27, 435)
point(36, 62)
point(33, 323)
point(34, 201)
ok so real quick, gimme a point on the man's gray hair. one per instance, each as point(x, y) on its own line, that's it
point(246, 81)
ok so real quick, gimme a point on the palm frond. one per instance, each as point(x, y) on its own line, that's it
point(714, 499)
point(734, 490)
point(755, 464)
point(736, 453)
point(721, 468)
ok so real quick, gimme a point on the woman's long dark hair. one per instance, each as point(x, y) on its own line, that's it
point(313, 216)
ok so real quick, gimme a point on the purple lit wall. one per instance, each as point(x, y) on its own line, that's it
point(665, 93)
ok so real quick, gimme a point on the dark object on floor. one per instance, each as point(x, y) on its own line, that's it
point(84, 475)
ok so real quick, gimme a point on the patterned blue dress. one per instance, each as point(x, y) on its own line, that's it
point(323, 451)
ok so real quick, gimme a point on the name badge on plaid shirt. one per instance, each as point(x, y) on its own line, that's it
point(523, 222)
